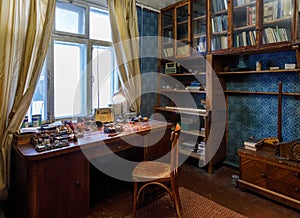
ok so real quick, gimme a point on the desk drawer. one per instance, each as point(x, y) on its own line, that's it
point(253, 171)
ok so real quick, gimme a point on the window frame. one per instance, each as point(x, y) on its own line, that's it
point(89, 43)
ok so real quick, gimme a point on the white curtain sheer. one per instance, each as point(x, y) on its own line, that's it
point(25, 27)
point(124, 24)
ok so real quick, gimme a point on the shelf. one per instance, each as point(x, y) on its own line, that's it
point(261, 93)
point(185, 74)
point(219, 13)
point(168, 27)
point(244, 5)
point(183, 91)
point(199, 18)
point(281, 20)
point(182, 22)
point(189, 111)
point(258, 72)
point(191, 153)
point(239, 29)
point(224, 32)
point(199, 35)
point(194, 132)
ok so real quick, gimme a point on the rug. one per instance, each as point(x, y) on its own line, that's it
point(193, 206)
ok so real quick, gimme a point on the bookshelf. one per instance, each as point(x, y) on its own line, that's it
point(224, 31)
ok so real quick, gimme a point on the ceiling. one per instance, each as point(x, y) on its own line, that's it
point(153, 4)
point(157, 4)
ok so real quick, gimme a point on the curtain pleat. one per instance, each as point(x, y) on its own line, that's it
point(25, 28)
point(124, 24)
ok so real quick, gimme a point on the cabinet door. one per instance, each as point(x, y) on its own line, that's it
point(277, 21)
point(244, 23)
point(182, 14)
point(58, 186)
point(199, 25)
point(219, 24)
point(298, 22)
point(284, 181)
point(253, 171)
point(168, 32)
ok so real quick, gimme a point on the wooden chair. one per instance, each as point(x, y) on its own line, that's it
point(158, 173)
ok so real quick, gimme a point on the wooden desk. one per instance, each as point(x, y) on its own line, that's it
point(56, 183)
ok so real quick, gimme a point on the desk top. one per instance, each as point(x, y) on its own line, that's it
point(93, 139)
point(267, 155)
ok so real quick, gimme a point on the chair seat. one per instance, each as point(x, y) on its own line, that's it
point(151, 170)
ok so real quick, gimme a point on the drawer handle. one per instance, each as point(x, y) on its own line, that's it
point(263, 175)
point(77, 184)
point(297, 189)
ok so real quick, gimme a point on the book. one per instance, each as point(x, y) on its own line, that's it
point(253, 148)
point(253, 142)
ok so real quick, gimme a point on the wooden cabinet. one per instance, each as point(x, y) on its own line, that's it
point(183, 28)
point(261, 171)
point(57, 186)
point(243, 25)
point(220, 26)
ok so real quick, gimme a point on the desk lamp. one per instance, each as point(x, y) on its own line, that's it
point(119, 98)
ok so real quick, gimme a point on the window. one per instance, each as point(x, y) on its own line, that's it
point(80, 64)
point(99, 18)
point(69, 79)
point(70, 18)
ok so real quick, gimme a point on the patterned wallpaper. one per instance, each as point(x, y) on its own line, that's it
point(256, 115)
point(248, 115)
point(148, 26)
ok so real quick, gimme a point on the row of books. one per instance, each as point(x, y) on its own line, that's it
point(253, 144)
point(246, 38)
point(277, 9)
point(219, 5)
point(241, 2)
point(251, 15)
point(183, 50)
point(273, 35)
point(219, 42)
point(201, 47)
point(168, 52)
point(219, 23)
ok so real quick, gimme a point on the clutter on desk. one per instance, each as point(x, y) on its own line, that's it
point(60, 133)
point(47, 139)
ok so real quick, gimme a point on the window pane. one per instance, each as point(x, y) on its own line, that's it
point(99, 25)
point(69, 18)
point(69, 79)
point(39, 101)
point(104, 76)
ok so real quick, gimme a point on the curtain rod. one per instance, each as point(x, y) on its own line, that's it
point(147, 7)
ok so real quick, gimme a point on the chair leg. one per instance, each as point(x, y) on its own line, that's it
point(176, 198)
point(135, 191)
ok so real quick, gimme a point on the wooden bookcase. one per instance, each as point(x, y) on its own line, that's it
point(233, 29)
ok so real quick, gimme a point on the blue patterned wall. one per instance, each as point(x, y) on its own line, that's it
point(256, 115)
point(148, 26)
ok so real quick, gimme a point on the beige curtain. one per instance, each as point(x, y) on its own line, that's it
point(123, 19)
point(25, 27)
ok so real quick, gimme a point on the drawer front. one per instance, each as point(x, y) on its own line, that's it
point(253, 171)
point(284, 188)
point(284, 175)
point(284, 181)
